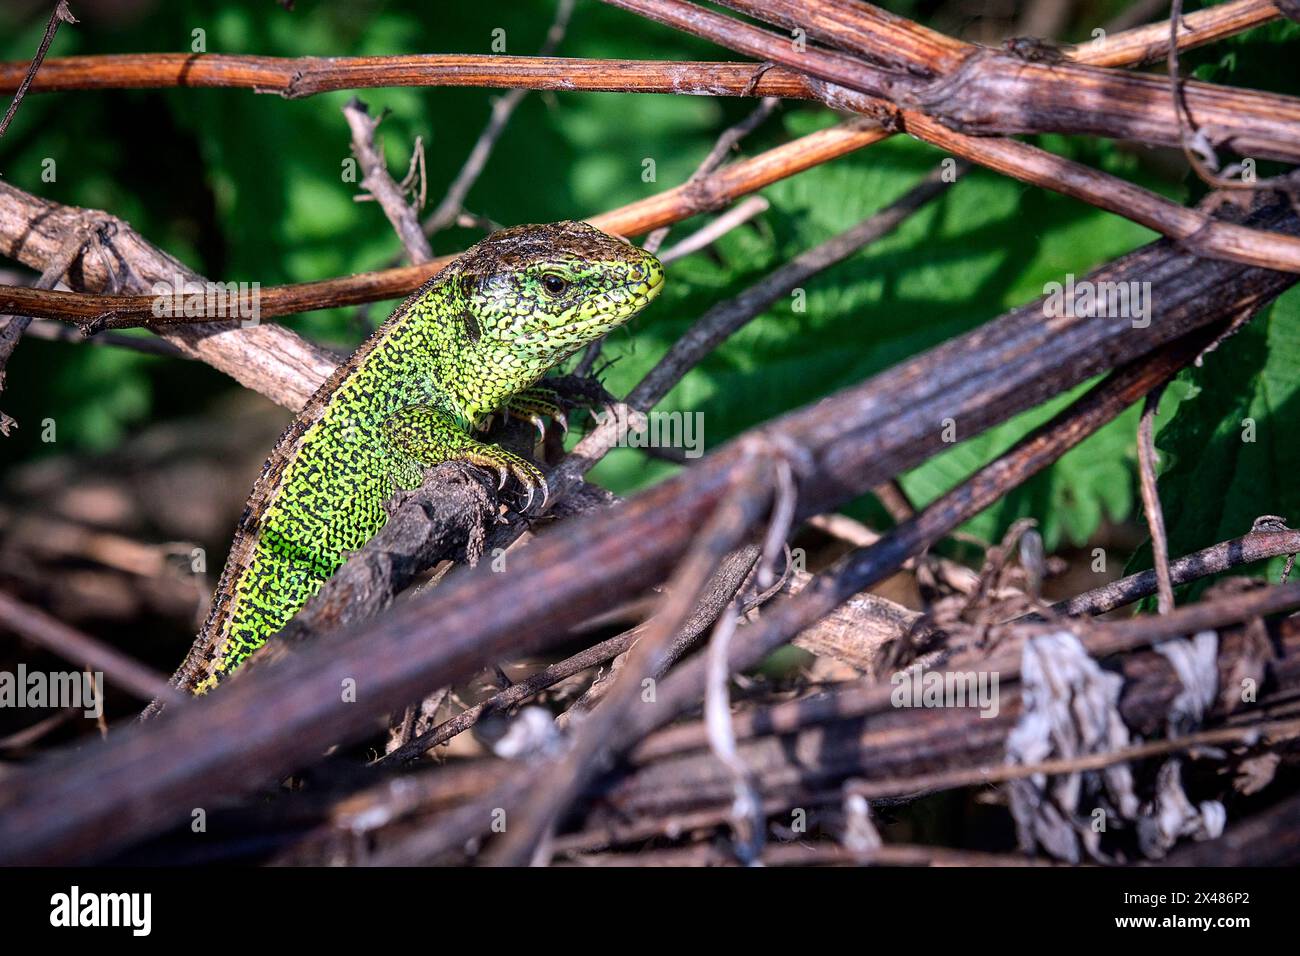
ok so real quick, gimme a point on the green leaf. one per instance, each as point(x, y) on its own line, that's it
point(1230, 452)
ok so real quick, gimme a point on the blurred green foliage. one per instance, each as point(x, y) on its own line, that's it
point(249, 187)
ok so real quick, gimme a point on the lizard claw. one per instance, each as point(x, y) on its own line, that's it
point(507, 465)
point(534, 481)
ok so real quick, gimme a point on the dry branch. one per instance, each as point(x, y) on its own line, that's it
point(267, 358)
point(61, 14)
point(1258, 545)
point(1150, 43)
point(379, 184)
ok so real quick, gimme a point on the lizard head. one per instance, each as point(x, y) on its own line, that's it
point(532, 295)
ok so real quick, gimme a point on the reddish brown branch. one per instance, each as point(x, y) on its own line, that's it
point(306, 76)
point(968, 88)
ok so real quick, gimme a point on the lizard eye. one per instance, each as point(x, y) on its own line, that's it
point(554, 284)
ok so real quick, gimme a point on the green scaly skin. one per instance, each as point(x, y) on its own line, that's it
point(474, 340)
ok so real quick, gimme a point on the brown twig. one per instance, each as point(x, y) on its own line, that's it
point(377, 181)
point(50, 331)
point(1249, 548)
point(53, 635)
point(1147, 44)
point(1147, 466)
point(712, 231)
point(61, 14)
point(726, 142)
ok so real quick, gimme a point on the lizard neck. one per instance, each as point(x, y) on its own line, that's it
point(441, 340)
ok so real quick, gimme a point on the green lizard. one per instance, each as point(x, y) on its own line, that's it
point(475, 339)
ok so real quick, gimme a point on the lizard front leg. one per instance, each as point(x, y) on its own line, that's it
point(421, 436)
point(556, 399)
point(532, 404)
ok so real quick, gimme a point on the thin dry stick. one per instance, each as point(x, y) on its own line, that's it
point(708, 234)
point(1147, 464)
point(53, 635)
point(1151, 42)
point(1196, 147)
point(61, 14)
point(377, 181)
point(454, 201)
point(13, 326)
point(726, 142)
point(50, 331)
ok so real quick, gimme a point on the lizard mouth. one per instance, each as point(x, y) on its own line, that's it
point(644, 282)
